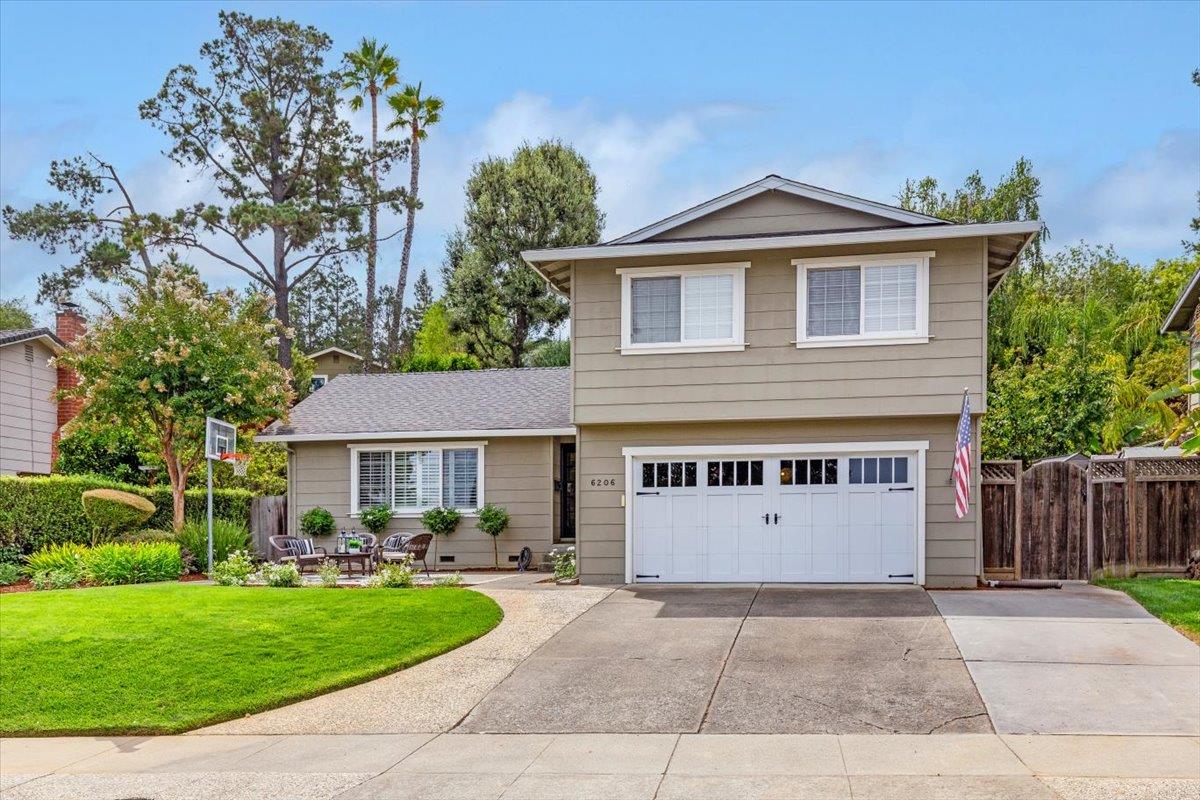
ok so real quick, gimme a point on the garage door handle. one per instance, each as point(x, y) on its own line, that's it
point(900, 488)
point(645, 493)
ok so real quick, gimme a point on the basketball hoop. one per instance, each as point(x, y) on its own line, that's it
point(240, 461)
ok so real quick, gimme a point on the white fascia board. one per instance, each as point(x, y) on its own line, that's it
point(776, 449)
point(320, 353)
point(1174, 321)
point(915, 234)
point(399, 436)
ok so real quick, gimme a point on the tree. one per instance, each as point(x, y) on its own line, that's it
point(543, 196)
point(551, 353)
point(370, 71)
point(415, 114)
point(113, 451)
point(327, 311)
point(414, 315)
point(264, 126)
point(14, 315)
point(166, 358)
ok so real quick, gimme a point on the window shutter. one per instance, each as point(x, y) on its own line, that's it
point(460, 473)
point(374, 478)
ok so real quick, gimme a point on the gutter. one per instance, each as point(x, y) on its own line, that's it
point(377, 436)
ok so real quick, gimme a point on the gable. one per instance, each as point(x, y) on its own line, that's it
point(775, 212)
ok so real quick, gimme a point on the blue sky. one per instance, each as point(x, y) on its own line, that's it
point(675, 103)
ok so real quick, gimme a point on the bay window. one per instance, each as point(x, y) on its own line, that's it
point(414, 479)
point(683, 309)
point(849, 300)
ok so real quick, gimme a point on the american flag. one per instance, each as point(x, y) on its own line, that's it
point(962, 460)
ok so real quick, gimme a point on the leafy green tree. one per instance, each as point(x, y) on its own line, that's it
point(327, 311)
point(551, 353)
point(263, 123)
point(414, 113)
point(543, 196)
point(370, 71)
point(166, 358)
point(114, 451)
point(414, 315)
point(14, 315)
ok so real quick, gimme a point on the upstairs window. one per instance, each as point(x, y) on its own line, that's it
point(688, 309)
point(862, 300)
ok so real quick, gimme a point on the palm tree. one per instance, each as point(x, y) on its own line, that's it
point(370, 71)
point(416, 113)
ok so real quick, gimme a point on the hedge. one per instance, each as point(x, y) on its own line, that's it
point(36, 512)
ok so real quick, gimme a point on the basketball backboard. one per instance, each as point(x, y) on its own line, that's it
point(220, 438)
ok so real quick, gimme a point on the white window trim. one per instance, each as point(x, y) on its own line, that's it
point(322, 377)
point(735, 269)
point(918, 336)
point(418, 447)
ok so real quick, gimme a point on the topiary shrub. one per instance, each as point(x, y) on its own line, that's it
point(375, 519)
point(113, 512)
point(440, 522)
point(317, 522)
point(493, 520)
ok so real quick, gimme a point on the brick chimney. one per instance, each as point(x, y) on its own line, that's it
point(69, 325)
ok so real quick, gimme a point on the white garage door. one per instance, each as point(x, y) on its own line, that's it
point(811, 518)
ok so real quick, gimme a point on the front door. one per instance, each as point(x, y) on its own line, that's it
point(566, 484)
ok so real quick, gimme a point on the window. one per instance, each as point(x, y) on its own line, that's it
point(862, 300)
point(735, 473)
point(317, 382)
point(668, 474)
point(808, 472)
point(879, 470)
point(688, 309)
point(412, 480)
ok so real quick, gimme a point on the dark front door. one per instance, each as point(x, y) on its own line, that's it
point(566, 482)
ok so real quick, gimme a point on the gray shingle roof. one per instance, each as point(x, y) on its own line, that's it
point(476, 400)
point(25, 334)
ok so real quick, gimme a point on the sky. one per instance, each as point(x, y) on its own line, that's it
point(672, 103)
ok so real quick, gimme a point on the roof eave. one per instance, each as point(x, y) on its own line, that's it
point(320, 353)
point(1180, 316)
point(379, 436)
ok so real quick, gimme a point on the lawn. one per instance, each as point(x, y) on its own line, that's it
point(168, 657)
point(1173, 600)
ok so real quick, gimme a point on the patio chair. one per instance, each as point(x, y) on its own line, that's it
point(398, 545)
point(301, 551)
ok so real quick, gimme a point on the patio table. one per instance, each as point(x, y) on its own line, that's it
point(347, 561)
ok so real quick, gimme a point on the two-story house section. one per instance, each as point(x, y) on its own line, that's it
point(766, 387)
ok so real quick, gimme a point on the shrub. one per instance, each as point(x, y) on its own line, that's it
point(280, 575)
point(564, 565)
point(112, 451)
point(10, 573)
point(235, 570)
point(375, 519)
point(492, 521)
point(316, 522)
point(450, 362)
point(113, 512)
point(149, 535)
point(228, 536)
point(133, 562)
point(393, 575)
point(60, 557)
point(329, 572)
point(440, 522)
point(35, 512)
point(453, 579)
point(10, 554)
point(56, 579)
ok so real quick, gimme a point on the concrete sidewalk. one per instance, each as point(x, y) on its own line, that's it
point(601, 766)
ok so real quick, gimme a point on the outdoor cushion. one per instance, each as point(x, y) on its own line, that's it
point(304, 547)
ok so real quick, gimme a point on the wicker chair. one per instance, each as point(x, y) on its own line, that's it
point(399, 545)
point(291, 548)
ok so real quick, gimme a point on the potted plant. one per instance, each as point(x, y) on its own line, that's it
point(440, 522)
point(353, 545)
point(492, 521)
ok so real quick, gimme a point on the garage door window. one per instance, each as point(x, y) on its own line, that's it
point(735, 473)
point(879, 470)
point(808, 472)
point(668, 474)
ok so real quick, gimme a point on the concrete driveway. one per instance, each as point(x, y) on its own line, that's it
point(743, 659)
point(1077, 660)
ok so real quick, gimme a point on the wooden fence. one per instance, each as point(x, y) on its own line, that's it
point(1070, 519)
point(268, 517)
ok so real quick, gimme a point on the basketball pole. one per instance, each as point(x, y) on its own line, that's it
point(210, 537)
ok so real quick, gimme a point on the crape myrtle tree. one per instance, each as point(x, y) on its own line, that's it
point(262, 122)
point(543, 196)
point(166, 357)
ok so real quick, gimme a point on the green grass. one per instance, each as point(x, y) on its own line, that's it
point(1173, 600)
point(168, 657)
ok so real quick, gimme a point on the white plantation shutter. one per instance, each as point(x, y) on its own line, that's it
point(890, 299)
point(374, 478)
point(406, 480)
point(460, 476)
point(708, 307)
point(417, 479)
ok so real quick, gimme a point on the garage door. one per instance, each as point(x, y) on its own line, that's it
point(810, 518)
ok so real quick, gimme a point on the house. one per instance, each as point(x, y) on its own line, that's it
point(331, 362)
point(30, 415)
point(764, 387)
point(1184, 317)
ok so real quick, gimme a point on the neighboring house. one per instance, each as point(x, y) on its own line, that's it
point(331, 362)
point(765, 387)
point(30, 416)
point(1185, 318)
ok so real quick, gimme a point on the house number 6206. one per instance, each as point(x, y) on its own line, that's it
point(603, 482)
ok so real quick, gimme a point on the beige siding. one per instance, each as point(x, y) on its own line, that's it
point(334, 364)
point(772, 379)
point(517, 475)
point(951, 544)
point(775, 212)
point(28, 413)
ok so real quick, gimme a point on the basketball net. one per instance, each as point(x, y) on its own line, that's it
point(240, 461)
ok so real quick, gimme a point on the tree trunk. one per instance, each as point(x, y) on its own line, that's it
point(368, 344)
point(496, 551)
point(282, 311)
point(406, 252)
point(177, 478)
